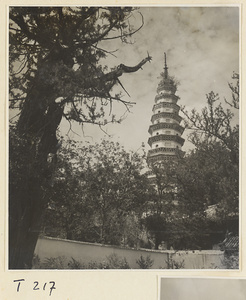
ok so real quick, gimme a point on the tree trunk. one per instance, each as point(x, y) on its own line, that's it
point(25, 212)
point(37, 126)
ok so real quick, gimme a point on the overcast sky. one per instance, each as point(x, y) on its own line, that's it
point(202, 289)
point(202, 46)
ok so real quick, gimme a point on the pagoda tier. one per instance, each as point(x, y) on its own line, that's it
point(168, 116)
point(158, 127)
point(167, 96)
point(165, 131)
point(165, 137)
point(164, 106)
point(160, 157)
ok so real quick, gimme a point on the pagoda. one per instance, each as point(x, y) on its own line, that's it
point(165, 130)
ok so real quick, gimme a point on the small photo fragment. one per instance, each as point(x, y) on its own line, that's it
point(202, 289)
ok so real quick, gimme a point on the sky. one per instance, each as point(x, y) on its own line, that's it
point(202, 47)
point(202, 289)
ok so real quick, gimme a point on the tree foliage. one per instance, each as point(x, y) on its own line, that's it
point(215, 123)
point(178, 204)
point(98, 194)
point(216, 138)
point(162, 195)
point(209, 174)
point(59, 54)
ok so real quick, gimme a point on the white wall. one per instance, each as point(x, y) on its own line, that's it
point(85, 252)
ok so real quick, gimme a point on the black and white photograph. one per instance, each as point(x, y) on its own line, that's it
point(124, 138)
point(202, 288)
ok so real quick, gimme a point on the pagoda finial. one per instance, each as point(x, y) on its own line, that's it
point(165, 67)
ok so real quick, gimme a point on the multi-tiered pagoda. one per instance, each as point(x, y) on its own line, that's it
point(165, 129)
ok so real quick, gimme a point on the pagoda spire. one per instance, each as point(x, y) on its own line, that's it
point(165, 66)
point(165, 129)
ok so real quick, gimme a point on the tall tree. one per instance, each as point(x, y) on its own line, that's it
point(216, 137)
point(56, 71)
point(213, 165)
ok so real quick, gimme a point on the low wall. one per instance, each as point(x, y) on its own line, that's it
point(86, 252)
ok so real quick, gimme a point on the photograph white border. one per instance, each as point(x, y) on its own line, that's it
point(111, 284)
